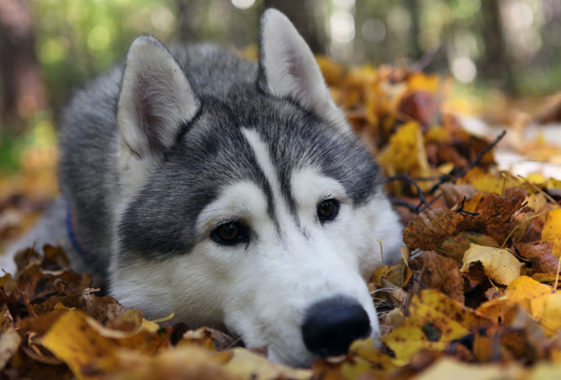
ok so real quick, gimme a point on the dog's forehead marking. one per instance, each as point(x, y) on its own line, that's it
point(281, 209)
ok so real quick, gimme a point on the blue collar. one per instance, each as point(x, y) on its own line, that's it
point(75, 239)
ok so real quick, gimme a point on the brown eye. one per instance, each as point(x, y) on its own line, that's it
point(230, 233)
point(328, 210)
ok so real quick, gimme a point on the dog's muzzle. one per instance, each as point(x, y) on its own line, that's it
point(331, 325)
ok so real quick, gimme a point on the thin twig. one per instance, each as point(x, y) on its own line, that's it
point(411, 181)
point(461, 209)
point(478, 158)
point(398, 202)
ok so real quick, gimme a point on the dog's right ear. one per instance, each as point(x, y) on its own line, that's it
point(156, 100)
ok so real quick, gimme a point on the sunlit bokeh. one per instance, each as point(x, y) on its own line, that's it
point(464, 69)
point(243, 4)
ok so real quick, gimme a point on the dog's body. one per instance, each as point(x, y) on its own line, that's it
point(231, 193)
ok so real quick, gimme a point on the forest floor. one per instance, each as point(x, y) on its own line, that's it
point(477, 183)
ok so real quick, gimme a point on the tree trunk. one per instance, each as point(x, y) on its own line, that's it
point(21, 92)
point(413, 7)
point(496, 65)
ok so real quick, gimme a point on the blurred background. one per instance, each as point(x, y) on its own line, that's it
point(49, 47)
point(497, 51)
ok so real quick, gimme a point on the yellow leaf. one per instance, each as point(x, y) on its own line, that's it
point(524, 289)
point(88, 354)
point(547, 309)
point(406, 341)
point(536, 201)
point(422, 82)
point(365, 349)
point(553, 183)
point(552, 228)
point(499, 264)
point(552, 231)
point(404, 153)
point(89, 348)
point(544, 370)
point(447, 368)
point(248, 365)
point(434, 321)
point(494, 183)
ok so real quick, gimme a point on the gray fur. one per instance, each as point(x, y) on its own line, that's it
point(139, 214)
point(210, 153)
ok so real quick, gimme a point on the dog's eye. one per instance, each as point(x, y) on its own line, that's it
point(230, 233)
point(328, 210)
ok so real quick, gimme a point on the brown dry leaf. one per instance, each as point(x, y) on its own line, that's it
point(455, 193)
point(6, 319)
point(442, 273)
point(495, 214)
point(499, 264)
point(101, 308)
point(55, 258)
point(455, 246)
point(430, 228)
point(400, 274)
point(540, 256)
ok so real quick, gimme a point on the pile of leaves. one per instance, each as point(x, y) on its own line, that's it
point(473, 296)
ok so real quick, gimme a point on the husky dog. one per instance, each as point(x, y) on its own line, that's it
point(231, 193)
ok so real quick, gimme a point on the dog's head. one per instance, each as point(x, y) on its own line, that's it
point(247, 203)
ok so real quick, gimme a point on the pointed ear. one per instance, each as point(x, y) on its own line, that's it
point(155, 101)
point(287, 67)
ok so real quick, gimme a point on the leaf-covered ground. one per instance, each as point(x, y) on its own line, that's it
point(474, 295)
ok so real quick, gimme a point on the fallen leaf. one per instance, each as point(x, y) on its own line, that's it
point(552, 231)
point(442, 273)
point(499, 264)
point(9, 344)
point(185, 363)
point(434, 321)
point(447, 368)
point(90, 349)
point(250, 366)
point(455, 246)
point(430, 228)
point(540, 256)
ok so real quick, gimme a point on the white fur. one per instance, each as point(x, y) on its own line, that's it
point(291, 69)
point(173, 101)
point(261, 290)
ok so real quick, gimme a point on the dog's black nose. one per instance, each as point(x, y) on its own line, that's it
point(331, 325)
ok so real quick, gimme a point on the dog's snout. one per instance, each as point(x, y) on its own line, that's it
point(332, 325)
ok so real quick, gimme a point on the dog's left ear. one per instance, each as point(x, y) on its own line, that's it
point(287, 67)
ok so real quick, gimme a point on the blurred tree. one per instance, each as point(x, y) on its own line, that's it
point(21, 91)
point(496, 64)
point(413, 6)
